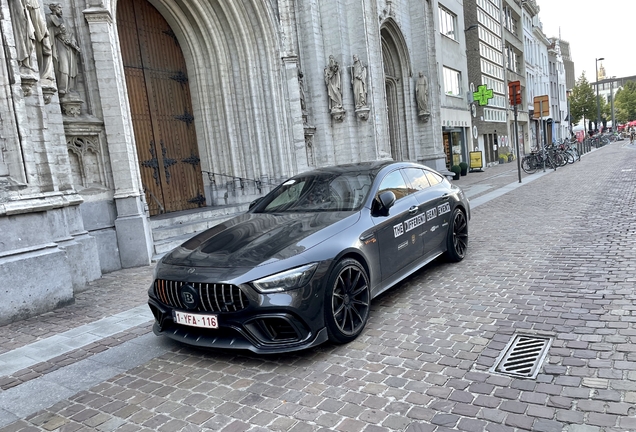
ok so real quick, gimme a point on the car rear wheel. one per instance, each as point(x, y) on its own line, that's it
point(457, 237)
point(347, 301)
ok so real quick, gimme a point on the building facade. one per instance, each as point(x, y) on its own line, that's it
point(515, 72)
point(117, 112)
point(537, 71)
point(455, 112)
point(558, 99)
point(485, 57)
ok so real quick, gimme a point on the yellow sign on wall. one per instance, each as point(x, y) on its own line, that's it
point(476, 160)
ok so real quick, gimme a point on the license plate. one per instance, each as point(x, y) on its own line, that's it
point(195, 320)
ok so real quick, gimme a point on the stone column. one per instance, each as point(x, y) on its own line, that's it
point(133, 230)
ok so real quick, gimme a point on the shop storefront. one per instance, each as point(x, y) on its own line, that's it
point(455, 133)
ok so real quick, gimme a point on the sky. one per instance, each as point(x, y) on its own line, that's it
point(595, 29)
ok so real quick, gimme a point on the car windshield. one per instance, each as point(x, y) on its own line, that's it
point(316, 192)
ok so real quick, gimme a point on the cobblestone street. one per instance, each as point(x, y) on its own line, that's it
point(553, 257)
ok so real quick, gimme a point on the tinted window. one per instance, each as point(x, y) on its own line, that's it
point(417, 178)
point(434, 178)
point(395, 183)
point(318, 192)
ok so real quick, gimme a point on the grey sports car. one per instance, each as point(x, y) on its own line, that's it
point(303, 264)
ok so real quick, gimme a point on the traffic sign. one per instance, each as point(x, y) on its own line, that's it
point(541, 106)
point(514, 92)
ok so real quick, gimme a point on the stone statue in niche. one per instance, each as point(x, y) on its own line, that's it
point(359, 82)
point(421, 93)
point(332, 80)
point(301, 90)
point(64, 49)
point(31, 34)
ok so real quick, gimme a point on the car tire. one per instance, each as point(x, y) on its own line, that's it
point(457, 237)
point(347, 301)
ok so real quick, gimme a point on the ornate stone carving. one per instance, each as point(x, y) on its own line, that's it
point(421, 95)
point(309, 147)
point(64, 50)
point(98, 15)
point(363, 113)
point(359, 83)
point(87, 165)
point(334, 90)
point(301, 90)
point(47, 93)
point(71, 107)
point(27, 82)
point(31, 34)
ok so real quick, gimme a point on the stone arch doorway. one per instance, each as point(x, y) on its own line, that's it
point(161, 109)
point(396, 74)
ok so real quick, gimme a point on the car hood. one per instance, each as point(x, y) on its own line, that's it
point(254, 239)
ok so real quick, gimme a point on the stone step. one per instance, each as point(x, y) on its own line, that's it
point(162, 247)
point(182, 228)
point(187, 216)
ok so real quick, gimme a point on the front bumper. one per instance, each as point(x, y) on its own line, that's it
point(262, 323)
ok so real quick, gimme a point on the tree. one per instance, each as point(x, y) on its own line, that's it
point(582, 100)
point(625, 102)
point(606, 110)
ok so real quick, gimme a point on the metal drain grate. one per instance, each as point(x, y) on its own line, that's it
point(523, 356)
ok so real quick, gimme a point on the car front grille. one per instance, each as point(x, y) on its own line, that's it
point(213, 297)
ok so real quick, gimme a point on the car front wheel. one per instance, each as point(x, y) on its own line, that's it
point(347, 301)
point(457, 238)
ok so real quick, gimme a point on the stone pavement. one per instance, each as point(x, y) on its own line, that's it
point(554, 256)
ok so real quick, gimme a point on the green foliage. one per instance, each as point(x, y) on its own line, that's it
point(456, 169)
point(606, 109)
point(507, 157)
point(463, 165)
point(582, 100)
point(625, 102)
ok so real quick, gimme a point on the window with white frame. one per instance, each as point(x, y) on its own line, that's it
point(493, 115)
point(447, 23)
point(452, 82)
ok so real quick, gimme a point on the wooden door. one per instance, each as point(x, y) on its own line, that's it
point(161, 109)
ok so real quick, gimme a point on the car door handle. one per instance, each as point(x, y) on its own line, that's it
point(414, 210)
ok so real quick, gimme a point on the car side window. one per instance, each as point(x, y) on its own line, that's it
point(395, 183)
point(434, 178)
point(417, 178)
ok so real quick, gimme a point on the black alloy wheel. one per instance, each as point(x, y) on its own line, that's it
point(457, 238)
point(347, 301)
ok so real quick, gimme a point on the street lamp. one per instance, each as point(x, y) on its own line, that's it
point(612, 95)
point(598, 102)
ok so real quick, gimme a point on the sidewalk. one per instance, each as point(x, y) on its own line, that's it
point(477, 183)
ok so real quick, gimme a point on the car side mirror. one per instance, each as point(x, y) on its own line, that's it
point(387, 199)
point(254, 203)
point(384, 202)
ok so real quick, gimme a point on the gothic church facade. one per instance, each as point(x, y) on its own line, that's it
point(114, 112)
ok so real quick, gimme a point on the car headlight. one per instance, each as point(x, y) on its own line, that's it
point(287, 280)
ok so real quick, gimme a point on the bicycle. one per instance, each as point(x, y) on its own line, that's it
point(539, 159)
